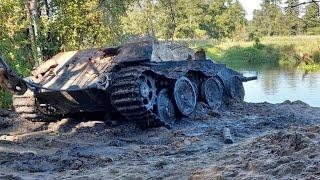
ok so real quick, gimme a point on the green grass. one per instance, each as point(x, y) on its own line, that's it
point(282, 50)
point(310, 67)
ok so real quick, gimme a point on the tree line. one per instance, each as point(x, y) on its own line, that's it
point(35, 30)
point(288, 18)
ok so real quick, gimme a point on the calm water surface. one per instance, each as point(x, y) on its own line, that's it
point(277, 84)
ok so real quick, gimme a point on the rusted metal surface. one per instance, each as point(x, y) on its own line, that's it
point(10, 80)
point(76, 101)
point(80, 69)
point(127, 79)
point(133, 52)
point(75, 70)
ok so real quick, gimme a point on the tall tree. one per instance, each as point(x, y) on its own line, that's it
point(32, 6)
point(15, 43)
point(292, 13)
point(232, 20)
point(269, 20)
point(164, 18)
point(77, 24)
point(312, 17)
point(222, 18)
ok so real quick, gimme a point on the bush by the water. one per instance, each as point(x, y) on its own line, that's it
point(253, 54)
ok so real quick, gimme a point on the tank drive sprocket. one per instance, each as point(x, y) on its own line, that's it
point(133, 94)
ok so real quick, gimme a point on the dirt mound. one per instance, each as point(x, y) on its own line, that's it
point(284, 154)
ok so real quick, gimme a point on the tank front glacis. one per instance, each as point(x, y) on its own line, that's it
point(151, 83)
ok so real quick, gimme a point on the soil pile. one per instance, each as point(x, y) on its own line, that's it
point(292, 153)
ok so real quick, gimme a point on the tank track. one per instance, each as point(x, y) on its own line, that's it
point(125, 97)
point(26, 107)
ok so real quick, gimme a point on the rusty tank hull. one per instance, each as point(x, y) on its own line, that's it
point(148, 82)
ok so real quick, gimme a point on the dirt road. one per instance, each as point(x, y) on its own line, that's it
point(272, 141)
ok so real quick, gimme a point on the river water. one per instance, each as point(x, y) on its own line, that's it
point(276, 84)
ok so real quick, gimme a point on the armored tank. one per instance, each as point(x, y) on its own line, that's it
point(149, 82)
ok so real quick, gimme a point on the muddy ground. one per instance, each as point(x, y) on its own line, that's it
point(272, 141)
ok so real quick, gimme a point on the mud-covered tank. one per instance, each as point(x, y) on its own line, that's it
point(149, 82)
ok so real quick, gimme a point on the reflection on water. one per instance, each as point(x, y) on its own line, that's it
point(277, 84)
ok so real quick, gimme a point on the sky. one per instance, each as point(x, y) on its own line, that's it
point(249, 6)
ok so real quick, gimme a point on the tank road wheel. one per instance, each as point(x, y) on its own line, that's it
point(165, 108)
point(185, 96)
point(25, 105)
point(212, 92)
point(195, 82)
point(148, 90)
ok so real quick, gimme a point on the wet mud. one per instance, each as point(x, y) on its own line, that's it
point(272, 141)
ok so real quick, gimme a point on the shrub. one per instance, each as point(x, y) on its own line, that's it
point(314, 31)
point(5, 99)
point(288, 52)
point(255, 54)
point(316, 56)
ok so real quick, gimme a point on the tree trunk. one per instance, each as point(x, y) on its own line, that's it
point(33, 29)
point(47, 7)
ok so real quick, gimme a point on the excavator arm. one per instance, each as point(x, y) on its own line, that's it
point(10, 80)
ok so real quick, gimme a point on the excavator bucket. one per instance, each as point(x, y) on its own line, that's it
point(10, 80)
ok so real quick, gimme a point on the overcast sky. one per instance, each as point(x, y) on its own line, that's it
point(249, 6)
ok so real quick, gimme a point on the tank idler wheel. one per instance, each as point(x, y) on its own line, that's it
point(236, 89)
point(185, 96)
point(148, 90)
point(212, 92)
point(165, 108)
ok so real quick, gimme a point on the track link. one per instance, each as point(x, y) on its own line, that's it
point(25, 105)
point(126, 97)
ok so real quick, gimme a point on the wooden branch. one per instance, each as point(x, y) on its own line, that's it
point(316, 3)
point(227, 136)
point(304, 3)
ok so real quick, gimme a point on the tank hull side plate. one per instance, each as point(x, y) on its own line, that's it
point(76, 101)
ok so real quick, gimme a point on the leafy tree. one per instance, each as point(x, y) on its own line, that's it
point(15, 44)
point(232, 20)
point(312, 17)
point(292, 13)
point(223, 18)
point(78, 24)
point(269, 20)
point(188, 14)
point(33, 16)
point(164, 18)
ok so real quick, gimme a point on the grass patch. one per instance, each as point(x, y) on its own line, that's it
point(282, 50)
